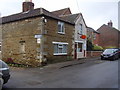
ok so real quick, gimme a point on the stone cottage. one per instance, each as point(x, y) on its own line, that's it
point(35, 36)
point(80, 33)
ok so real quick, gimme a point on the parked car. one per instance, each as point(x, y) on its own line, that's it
point(1, 81)
point(4, 72)
point(111, 54)
point(119, 52)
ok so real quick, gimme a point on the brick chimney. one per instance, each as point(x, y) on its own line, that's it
point(110, 24)
point(27, 5)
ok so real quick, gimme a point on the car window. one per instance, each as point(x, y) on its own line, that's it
point(109, 51)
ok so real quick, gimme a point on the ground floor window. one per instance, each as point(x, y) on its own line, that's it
point(79, 49)
point(60, 48)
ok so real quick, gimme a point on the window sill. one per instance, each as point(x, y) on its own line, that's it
point(61, 33)
point(60, 54)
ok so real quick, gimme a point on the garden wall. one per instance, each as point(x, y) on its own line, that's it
point(93, 53)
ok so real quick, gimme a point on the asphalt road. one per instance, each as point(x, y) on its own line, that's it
point(92, 74)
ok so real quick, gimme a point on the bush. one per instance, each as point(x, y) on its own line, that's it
point(89, 45)
point(110, 47)
point(97, 47)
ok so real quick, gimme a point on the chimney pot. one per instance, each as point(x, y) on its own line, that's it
point(110, 24)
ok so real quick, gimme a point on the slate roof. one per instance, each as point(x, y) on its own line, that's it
point(61, 11)
point(31, 14)
point(72, 17)
point(107, 27)
point(92, 30)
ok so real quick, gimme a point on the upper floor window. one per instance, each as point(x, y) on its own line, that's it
point(61, 28)
point(81, 29)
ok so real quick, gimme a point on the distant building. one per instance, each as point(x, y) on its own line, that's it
point(109, 36)
point(93, 35)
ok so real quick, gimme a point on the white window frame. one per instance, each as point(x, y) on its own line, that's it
point(62, 27)
point(60, 45)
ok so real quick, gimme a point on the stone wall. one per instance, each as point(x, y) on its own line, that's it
point(20, 35)
point(53, 36)
point(20, 45)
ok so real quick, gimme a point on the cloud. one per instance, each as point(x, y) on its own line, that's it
point(95, 12)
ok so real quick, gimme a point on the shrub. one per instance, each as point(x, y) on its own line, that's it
point(9, 60)
point(96, 47)
point(89, 45)
point(110, 47)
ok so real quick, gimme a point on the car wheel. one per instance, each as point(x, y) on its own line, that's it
point(113, 58)
point(102, 58)
point(1, 83)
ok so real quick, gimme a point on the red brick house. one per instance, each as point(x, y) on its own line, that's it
point(109, 36)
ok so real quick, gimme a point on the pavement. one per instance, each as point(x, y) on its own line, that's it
point(84, 73)
point(56, 66)
point(60, 65)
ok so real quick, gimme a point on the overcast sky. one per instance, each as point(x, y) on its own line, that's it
point(95, 12)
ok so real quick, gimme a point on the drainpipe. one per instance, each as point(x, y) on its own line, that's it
point(41, 42)
point(42, 57)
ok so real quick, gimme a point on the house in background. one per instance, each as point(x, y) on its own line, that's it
point(62, 12)
point(109, 36)
point(36, 35)
point(79, 35)
point(93, 35)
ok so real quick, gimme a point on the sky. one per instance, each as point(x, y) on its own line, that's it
point(95, 12)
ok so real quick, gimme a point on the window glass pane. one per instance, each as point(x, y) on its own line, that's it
point(81, 28)
point(55, 48)
point(79, 47)
point(65, 49)
point(60, 50)
point(61, 27)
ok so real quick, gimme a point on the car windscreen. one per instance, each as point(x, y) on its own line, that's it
point(109, 51)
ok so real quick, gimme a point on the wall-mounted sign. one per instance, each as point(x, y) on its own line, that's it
point(38, 36)
point(38, 40)
point(83, 36)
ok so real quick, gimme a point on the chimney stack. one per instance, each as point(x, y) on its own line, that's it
point(110, 24)
point(27, 5)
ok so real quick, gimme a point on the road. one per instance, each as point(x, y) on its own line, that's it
point(92, 74)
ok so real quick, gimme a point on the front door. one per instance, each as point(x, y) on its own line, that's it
point(75, 53)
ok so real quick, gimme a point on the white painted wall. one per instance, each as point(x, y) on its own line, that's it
point(77, 36)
